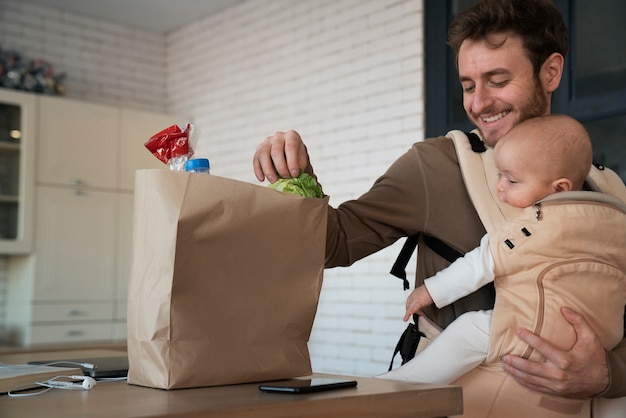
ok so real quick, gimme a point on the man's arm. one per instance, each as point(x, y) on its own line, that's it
point(586, 370)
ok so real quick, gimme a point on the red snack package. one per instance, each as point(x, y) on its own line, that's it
point(172, 146)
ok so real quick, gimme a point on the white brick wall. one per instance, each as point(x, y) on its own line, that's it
point(347, 74)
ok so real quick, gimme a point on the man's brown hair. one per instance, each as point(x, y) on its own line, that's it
point(538, 22)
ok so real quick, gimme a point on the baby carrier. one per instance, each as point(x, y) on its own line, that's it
point(480, 176)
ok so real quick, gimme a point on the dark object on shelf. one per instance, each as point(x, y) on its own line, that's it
point(35, 76)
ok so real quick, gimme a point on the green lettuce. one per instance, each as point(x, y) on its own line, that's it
point(304, 185)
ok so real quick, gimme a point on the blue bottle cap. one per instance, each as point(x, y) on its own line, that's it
point(197, 164)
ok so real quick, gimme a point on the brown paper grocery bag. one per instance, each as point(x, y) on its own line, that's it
point(225, 281)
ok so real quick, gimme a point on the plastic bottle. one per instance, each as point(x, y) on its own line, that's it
point(198, 165)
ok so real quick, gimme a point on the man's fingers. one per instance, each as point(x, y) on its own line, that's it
point(295, 154)
point(543, 347)
point(581, 326)
point(262, 163)
point(282, 155)
point(524, 371)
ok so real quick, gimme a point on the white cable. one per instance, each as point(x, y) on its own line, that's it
point(87, 384)
point(23, 395)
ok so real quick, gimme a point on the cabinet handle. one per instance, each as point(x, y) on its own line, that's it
point(75, 312)
point(78, 183)
point(74, 333)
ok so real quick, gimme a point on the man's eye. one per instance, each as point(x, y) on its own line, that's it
point(467, 88)
point(499, 83)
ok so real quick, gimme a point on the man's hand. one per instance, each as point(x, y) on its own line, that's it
point(581, 372)
point(281, 155)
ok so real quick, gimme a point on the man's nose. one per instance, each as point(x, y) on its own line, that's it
point(481, 99)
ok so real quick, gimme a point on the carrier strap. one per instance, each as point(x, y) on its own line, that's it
point(439, 247)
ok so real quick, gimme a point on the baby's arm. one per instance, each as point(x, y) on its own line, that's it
point(466, 275)
point(417, 300)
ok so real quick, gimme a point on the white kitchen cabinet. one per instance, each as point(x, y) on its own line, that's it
point(124, 257)
point(17, 150)
point(73, 287)
point(75, 244)
point(78, 143)
point(71, 322)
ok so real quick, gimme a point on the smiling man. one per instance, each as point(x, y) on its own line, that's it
point(510, 56)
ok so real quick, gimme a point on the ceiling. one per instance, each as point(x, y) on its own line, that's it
point(159, 16)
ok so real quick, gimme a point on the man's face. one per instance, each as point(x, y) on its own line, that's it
point(499, 89)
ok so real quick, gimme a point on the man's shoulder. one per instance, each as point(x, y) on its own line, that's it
point(436, 147)
point(441, 140)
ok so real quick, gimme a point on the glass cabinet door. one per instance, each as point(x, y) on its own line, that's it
point(16, 171)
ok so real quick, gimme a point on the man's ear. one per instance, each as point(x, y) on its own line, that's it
point(562, 185)
point(551, 72)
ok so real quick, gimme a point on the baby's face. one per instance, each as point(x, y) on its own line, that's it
point(521, 183)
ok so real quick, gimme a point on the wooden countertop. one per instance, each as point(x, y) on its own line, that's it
point(371, 398)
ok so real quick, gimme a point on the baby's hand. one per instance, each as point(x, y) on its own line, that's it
point(417, 300)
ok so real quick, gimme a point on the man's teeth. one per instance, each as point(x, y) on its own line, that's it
point(495, 117)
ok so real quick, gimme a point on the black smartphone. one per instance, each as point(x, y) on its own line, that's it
point(315, 384)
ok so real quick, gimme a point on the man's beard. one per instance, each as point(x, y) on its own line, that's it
point(536, 105)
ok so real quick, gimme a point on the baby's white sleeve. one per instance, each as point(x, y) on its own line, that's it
point(466, 275)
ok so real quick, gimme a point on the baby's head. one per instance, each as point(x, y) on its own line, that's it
point(541, 156)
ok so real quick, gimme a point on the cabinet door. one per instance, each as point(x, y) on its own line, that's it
point(78, 143)
point(76, 237)
point(137, 127)
point(124, 257)
point(124, 247)
point(71, 333)
point(17, 151)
